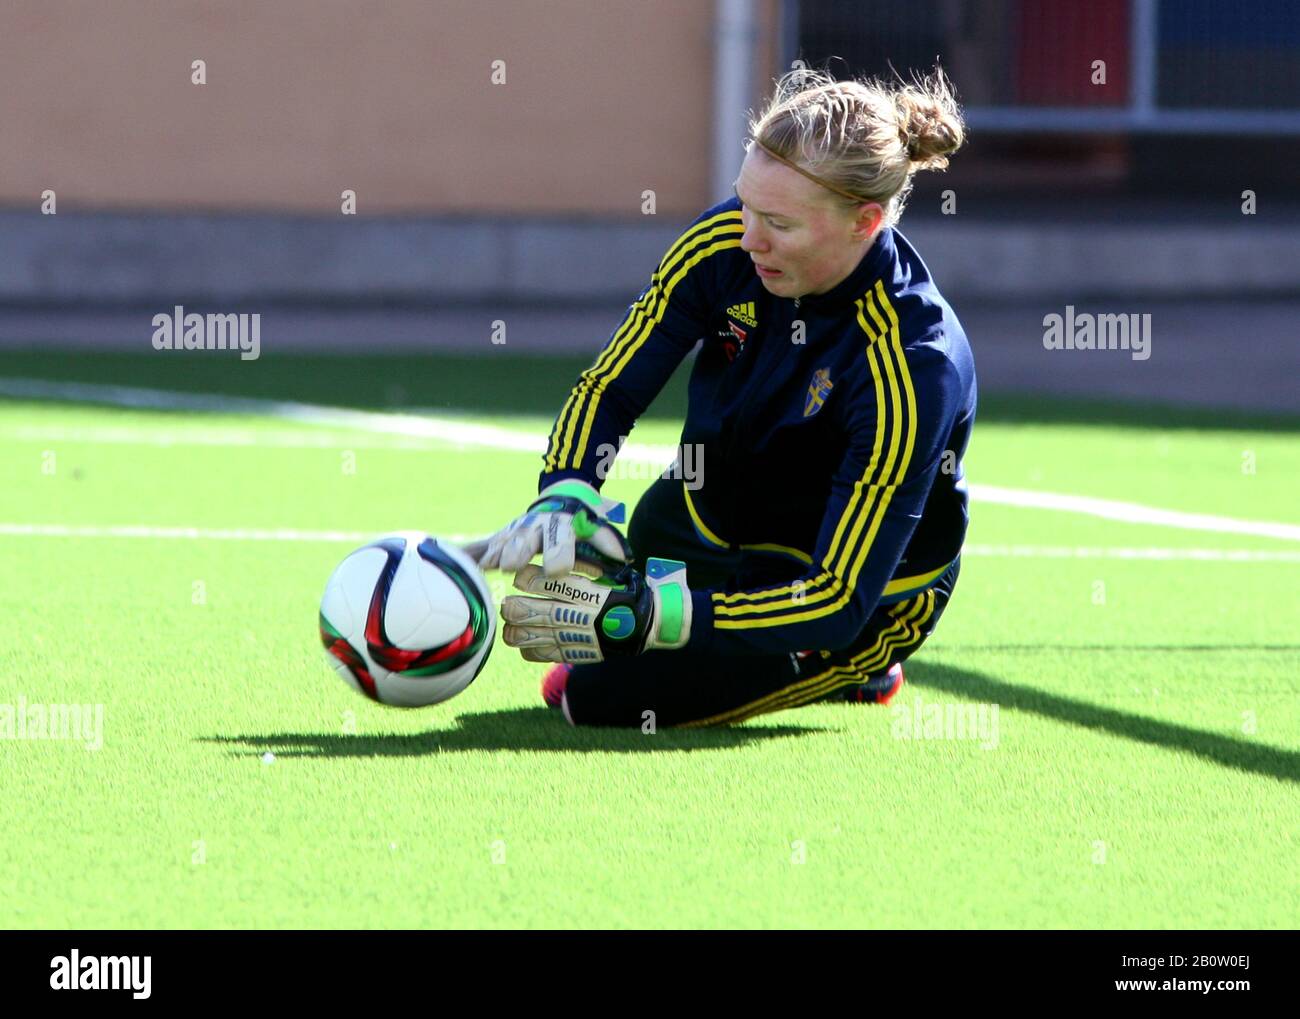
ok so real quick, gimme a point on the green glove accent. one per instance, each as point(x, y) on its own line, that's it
point(576, 490)
point(583, 526)
point(670, 623)
point(667, 579)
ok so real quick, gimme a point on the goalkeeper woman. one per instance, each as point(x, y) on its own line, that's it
point(830, 405)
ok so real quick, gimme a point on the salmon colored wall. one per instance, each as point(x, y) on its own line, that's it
point(307, 97)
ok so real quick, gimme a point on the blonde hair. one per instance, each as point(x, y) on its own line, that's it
point(862, 139)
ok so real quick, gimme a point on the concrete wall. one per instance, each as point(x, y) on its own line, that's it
point(118, 259)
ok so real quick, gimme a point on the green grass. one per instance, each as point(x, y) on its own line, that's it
point(1146, 768)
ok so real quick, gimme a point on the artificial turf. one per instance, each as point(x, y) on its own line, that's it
point(1144, 768)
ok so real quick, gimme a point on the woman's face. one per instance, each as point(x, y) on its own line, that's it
point(794, 227)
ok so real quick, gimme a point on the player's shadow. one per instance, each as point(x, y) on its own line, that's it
point(542, 729)
point(519, 729)
point(1230, 752)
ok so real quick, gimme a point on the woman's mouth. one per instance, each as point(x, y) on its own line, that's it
point(765, 272)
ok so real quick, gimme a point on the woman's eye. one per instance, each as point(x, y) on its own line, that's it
point(775, 226)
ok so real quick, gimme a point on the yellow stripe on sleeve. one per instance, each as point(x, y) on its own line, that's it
point(589, 415)
point(568, 444)
point(816, 588)
point(834, 586)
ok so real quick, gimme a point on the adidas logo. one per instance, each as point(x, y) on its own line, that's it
point(744, 313)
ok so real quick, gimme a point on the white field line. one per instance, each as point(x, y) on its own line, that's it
point(451, 430)
point(195, 435)
point(1229, 555)
point(464, 433)
point(1132, 513)
point(189, 533)
point(289, 534)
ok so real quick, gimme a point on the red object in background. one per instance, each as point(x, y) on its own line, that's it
point(1057, 44)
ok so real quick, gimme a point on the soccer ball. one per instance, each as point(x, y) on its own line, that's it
point(407, 620)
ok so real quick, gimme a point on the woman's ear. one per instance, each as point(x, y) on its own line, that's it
point(870, 218)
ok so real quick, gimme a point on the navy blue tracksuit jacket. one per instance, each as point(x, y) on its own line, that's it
point(832, 430)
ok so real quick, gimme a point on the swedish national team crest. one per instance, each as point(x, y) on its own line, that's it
point(818, 389)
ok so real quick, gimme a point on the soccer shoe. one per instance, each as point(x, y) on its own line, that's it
point(554, 682)
point(877, 690)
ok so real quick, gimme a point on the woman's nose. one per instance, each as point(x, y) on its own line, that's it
point(752, 240)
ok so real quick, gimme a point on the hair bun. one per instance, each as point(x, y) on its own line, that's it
point(929, 124)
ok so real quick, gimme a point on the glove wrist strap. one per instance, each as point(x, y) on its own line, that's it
point(667, 578)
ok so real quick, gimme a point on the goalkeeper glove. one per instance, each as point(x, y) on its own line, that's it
point(562, 515)
point(614, 612)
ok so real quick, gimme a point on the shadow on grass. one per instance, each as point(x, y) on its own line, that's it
point(1230, 752)
point(541, 729)
point(1122, 649)
point(519, 729)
